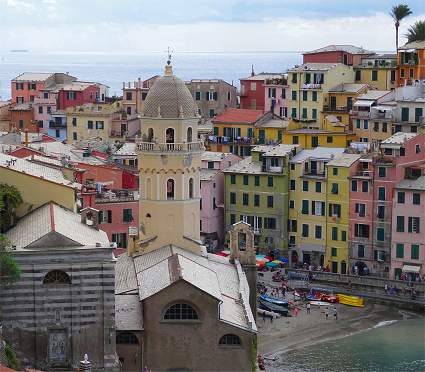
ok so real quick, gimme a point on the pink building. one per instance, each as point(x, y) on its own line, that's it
point(43, 107)
point(212, 196)
point(408, 229)
point(276, 93)
point(401, 157)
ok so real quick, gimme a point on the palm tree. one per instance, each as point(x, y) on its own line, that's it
point(398, 12)
point(416, 32)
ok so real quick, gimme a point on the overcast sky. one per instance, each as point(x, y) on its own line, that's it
point(198, 25)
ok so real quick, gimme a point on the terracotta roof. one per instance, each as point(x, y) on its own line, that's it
point(340, 48)
point(233, 115)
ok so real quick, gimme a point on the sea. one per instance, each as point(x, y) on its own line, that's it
point(113, 69)
point(391, 346)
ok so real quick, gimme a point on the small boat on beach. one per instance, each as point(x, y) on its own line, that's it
point(350, 300)
point(319, 303)
point(321, 294)
point(274, 305)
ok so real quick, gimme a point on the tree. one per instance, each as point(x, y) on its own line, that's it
point(399, 12)
point(9, 269)
point(10, 199)
point(416, 32)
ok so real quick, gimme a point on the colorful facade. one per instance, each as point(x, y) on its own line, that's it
point(346, 54)
point(377, 71)
point(276, 96)
point(411, 63)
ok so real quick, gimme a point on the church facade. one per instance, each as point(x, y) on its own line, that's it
point(178, 308)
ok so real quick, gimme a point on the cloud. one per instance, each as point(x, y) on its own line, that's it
point(20, 6)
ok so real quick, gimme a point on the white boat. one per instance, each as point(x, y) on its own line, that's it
point(319, 303)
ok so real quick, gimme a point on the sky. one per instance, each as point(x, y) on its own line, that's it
point(132, 26)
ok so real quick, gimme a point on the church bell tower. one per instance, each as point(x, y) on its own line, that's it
point(169, 160)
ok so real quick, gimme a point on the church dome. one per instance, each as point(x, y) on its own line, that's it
point(169, 98)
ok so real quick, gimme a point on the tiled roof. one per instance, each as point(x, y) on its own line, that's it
point(234, 115)
point(275, 150)
point(340, 48)
point(36, 170)
point(128, 148)
point(373, 94)
point(414, 45)
point(317, 153)
point(52, 217)
point(207, 174)
point(21, 107)
point(348, 88)
point(398, 138)
point(213, 156)
point(33, 76)
point(245, 166)
point(344, 160)
point(314, 67)
point(417, 184)
point(265, 75)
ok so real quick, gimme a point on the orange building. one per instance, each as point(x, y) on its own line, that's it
point(411, 62)
point(22, 117)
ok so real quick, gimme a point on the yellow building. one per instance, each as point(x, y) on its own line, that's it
point(308, 195)
point(92, 120)
point(377, 71)
point(270, 131)
point(38, 184)
point(338, 188)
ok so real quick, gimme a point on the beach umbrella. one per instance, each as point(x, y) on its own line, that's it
point(272, 264)
point(283, 259)
point(269, 258)
point(277, 262)
point(221, 254)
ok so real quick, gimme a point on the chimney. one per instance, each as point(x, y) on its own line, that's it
point(140, 83)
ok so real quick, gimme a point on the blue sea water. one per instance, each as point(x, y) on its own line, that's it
point(399, 347)
point(113, 69)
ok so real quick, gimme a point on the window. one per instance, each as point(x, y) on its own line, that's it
point(354, 185)
point(292, 204)
point(335, 171)
point(304, 208)
point(245, 179)
point(399, 250)
point(100, 125)
point(318, 186)
point(360, 209)
point(210, 165)
point(361, 230)
point(270, 223)
point(181, 312)
point(232, 198)
point(170, 189)
point(294, 95)
point(314, 95)
point(400, 224)
point(414, 252)
point(304, 113)
point(374, 75)
point(233, 179)
point(189, 135)
point(418, 114)
point(230, 339)
point(232, 219)
point(360, 251)
point(126, 338)
point(365, 186)
point(382, 171)
point(253, 86)
point(384, 127)
point(366, 124)
point(358, 75)
point(304, 232)
point(295, 140)
point(294, 78)
point(334, 189)
point(40, 109)
point(257, 180)
point(272, 92)
point(198, 96)
point(329, 139)
point(270, 181)
point(416, 198)
point(57, 277)
point(128, 96)
point(127, 215)
point(245, 199)
point(70, 96)
point(89, 124)
point(413, 224)
point(19, 86)
point(305, 185)
point(334, 252)
point(57, 133)
point(404, 114)
point(318, 232)
point(269, 201)
point(334, 233)
point(380, 234)
point(381, 193)
point(401, 197)
point(334, 210)
point(305, 95)
point(292, 184)
point(381, 212)
point(74, 136)
point(190, 188)
point(257, 200)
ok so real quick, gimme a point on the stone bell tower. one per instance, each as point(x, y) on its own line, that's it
point(169, 163)
point(242, 249)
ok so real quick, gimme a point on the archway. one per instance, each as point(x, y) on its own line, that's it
point(189, 135)
point(361, 266)
point(129, 351)
point(169, 135)
point(150, 135)
point(190, 188)
point(170, 189)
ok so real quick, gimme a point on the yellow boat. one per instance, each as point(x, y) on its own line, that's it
point(350, 300)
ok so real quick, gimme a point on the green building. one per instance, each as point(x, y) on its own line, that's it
point(256, 192)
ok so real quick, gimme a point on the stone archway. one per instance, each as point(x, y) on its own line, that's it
point(129, 351)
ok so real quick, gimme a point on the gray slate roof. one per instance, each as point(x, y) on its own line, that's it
point(418, 184)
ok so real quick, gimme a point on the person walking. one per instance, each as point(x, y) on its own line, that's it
point(308, 308)
point(327, 313)
point(335, 313)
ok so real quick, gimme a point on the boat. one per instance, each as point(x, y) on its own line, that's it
point(274, 300)
point(269, 306)
point(350, 300)
point(321, 294)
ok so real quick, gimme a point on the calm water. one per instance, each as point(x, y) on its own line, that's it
point(397, 347)
point(113, 69)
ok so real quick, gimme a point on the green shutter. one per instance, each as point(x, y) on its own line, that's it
point(215, 131)
point(400, 250)
point(414, 254)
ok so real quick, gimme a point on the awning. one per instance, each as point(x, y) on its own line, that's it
point(411, 269)
point(362, 102)
point(384, 108)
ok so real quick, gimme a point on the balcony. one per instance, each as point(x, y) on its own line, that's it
point(235, 140)
point(312, 86)
point(363, 174)
point(116, 196)
point(275, 169)
point(169, 147)
point(314, 174)
point(361, 114)
point(341, 109)
point(56, 125)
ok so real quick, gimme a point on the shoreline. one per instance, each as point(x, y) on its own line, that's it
point(284, 335)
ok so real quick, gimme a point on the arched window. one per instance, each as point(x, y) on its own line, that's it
point(181, 312)
point(150, 135)
point(127, 338)
point(57, 277)
point(230, 339)
point(189, 134)
point(170, 189)
point(169, 135)
point(191, 188)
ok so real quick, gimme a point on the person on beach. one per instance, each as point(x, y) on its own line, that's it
point(308, 308)
point(335, 313)
point(386, 288)
point(327, 313)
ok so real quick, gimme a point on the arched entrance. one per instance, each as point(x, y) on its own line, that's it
point(361, 266)
point(169, 135)
point(129, 351)
point(189, 135)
